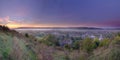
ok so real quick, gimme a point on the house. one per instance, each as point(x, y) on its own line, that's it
point(100, 37)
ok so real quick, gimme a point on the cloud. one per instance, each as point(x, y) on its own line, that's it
point(13, 22)
point(8, 21)
point(5, 20)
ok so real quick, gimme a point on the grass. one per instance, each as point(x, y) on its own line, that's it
point(5, 47)
point(10, 45)
point(110, 53)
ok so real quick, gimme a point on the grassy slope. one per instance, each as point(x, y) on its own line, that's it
point(110, 53)
point(14, 48)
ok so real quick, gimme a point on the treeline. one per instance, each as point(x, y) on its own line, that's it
point(4, 28)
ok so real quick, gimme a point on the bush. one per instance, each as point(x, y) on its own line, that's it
point(67, 47)
point(105, 43)
point(118, 34)
point(67, 58)
point(50, 40)
point(4, 28)
point(116, 40)
point(76, 45)
point(87, 45)
point(26, 35)
point(96, 43)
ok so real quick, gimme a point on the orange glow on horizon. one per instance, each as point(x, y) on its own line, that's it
point(36, 25)
point(24, 25)
point(13, 25)
point(30, 25)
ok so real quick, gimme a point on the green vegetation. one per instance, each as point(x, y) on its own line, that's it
point(27, 35)
point(96, 43)
point(76, 45)
point(105, 43)
point(14, 48)
point(50, 40)
point(87, 45)
point(110, 53)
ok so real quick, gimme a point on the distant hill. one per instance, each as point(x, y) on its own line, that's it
point(87, 28)
point(113, 28)
point(59, 28)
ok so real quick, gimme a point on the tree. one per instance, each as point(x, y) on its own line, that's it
point(76, 45)
point(87, 45)
point(26, 35)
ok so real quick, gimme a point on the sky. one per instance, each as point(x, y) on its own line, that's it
point(60, 13)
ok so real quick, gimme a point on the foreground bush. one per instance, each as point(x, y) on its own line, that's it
point(87, 45)
point(105, 43)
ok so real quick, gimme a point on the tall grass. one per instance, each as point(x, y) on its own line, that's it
point(13, 48)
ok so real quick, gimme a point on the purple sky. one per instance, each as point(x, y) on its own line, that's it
point(100, 13)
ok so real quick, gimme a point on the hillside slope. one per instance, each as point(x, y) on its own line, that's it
point(14, 47)
point(112, 52)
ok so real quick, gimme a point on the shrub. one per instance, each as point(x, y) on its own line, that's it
point(118, 33)
point(96, 43)
point(76, 45)
point(67, 58)
point(67, 47)
point(105, 43)
point(87, 45)
point(116, 40)
point(27, 35)
point(50, 40)
point(4, 28)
